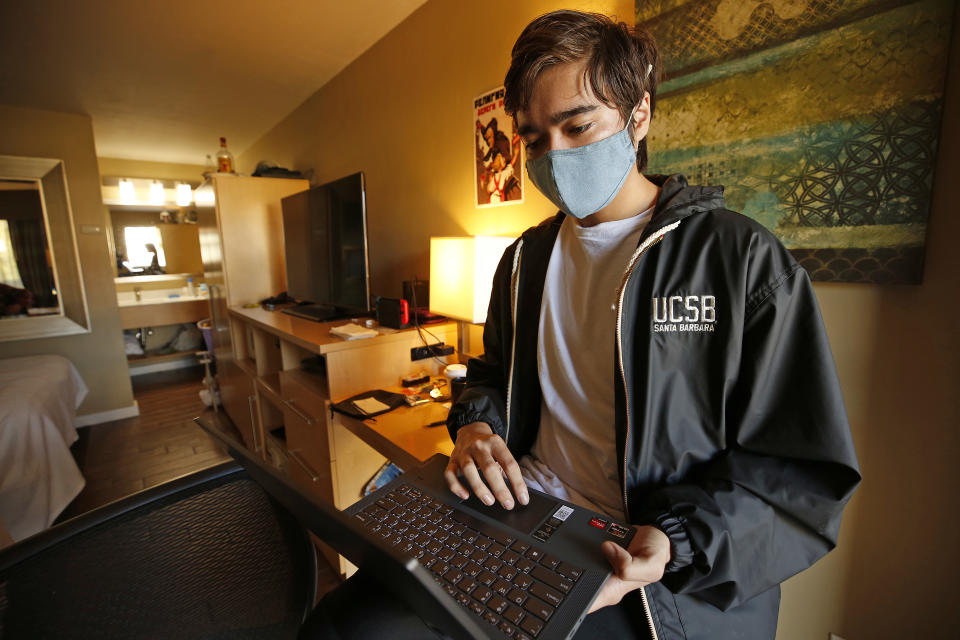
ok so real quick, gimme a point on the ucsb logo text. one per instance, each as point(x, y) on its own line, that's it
point(684, 313)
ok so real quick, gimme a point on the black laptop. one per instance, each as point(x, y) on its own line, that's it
point(470, 570)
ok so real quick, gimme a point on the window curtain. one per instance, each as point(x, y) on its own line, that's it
point(29, 246)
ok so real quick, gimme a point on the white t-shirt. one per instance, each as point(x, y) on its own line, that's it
point(575, 454)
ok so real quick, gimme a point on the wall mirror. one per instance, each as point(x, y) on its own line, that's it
point(41, 284)
point(153, 229)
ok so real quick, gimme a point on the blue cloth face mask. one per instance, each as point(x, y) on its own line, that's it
point(583, 180)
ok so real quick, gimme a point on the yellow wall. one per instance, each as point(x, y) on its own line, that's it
point(98, 355)
point(401, 113)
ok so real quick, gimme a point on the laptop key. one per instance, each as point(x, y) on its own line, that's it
point(496, 549)
point(550, 562)
point(510, 557)
point(477, 608)
point(386, 504)
point(546, 594)
point(531, 625)
point(520, 546)
point(482, 593)
point(472, 569)
point(467, 584)
point(534, 554)
point(514, 614)
point(498, 604)
point(507, 572)
point(493, 564)
point(489, 617)
point(487, 578)
point(502, 538)
point(569, 571)
point(453, 575)
point(502, 587)
point(538, 608)
point(523, 581)
point(516, 596)
point(524, 565)
point(551, 579)
point(507, 628)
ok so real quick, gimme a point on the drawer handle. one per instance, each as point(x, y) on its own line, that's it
point(303, 464)
point(253, 423)
point(300, 414)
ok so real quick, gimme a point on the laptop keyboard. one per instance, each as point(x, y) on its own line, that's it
point(509, 583)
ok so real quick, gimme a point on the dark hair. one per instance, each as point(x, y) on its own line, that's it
point(617, 56)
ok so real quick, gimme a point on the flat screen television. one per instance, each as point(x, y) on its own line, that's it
point(325, 242)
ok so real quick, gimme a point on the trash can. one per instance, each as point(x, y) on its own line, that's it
point(206, 328)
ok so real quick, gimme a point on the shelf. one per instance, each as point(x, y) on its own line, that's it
point(315, 383)
point(248, 365)
point(163, 357)
point(269, 386)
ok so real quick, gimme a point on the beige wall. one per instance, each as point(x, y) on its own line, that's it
point(122, 168)
point(98, 355)
point(898, 355)
point(401, 113)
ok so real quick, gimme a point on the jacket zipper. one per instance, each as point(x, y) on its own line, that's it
point(514, 290)
point(642, 249)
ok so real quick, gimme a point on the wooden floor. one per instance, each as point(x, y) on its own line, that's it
point(162, 443)
point(125, 456)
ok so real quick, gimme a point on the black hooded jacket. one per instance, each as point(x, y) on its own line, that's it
point(730, 426)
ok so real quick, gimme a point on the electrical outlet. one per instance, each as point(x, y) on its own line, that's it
point(434, 350)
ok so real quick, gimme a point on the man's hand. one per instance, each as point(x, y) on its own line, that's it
point(639, 565)
point(478, 450)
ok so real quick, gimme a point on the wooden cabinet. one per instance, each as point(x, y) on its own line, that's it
point(240, 230)
point(292, 424)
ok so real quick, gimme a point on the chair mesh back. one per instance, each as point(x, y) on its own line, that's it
point(218, 560)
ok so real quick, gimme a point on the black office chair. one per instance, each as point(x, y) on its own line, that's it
point(209, 555)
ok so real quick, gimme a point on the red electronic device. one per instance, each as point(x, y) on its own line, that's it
point(393, 313)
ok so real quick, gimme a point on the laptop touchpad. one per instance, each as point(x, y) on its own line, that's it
point(523, 518)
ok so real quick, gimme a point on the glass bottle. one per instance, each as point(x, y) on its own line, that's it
point(224, 158)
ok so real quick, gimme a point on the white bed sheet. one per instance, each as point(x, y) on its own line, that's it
point(39, 396)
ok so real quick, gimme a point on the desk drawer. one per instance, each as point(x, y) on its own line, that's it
point(306, 417)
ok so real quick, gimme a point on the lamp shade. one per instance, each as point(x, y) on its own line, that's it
point(461, 275)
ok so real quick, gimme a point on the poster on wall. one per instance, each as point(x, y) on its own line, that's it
point(498, 152)
point(819, 117)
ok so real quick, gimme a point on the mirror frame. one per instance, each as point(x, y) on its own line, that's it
point(74, 317)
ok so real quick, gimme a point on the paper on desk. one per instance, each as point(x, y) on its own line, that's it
point(351, 331)
point(370, 405)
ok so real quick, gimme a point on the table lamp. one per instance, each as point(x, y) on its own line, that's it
point(461, 276)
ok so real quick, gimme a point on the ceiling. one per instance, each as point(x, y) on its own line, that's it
point(163, 80)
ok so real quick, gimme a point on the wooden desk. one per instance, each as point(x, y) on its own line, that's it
point(401, 435)
point(282, 410)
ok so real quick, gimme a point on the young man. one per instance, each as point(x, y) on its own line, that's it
point(648, 354)
point(651, 355)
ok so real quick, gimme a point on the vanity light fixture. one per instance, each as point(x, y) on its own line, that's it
point(127, 193)
point(157, 195)
point(184, 195)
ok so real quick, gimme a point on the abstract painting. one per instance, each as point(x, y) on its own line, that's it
point(820, 118)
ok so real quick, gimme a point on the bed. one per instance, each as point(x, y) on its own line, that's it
point(39, 396)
